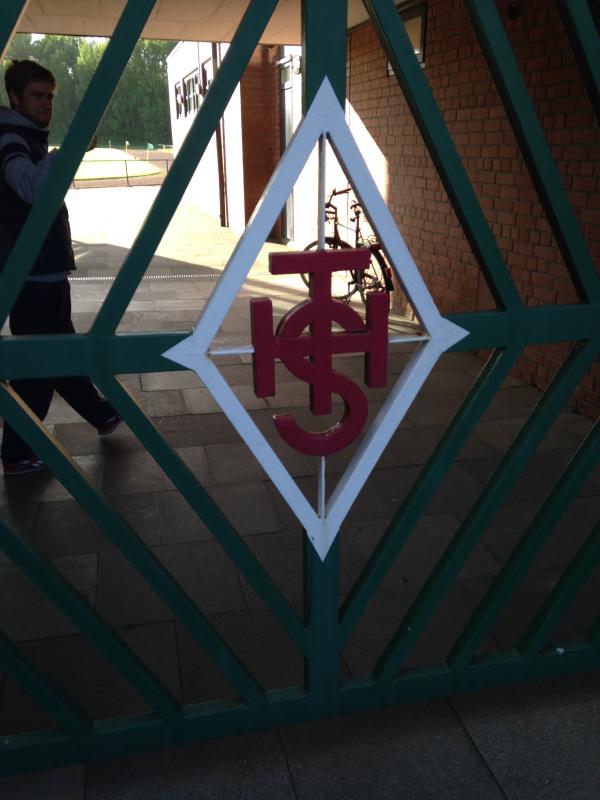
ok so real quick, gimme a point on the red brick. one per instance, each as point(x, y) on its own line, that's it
point(471, 107)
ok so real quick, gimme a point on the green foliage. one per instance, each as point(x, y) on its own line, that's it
point(139, 109)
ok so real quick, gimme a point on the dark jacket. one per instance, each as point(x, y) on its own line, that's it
point(20, 138)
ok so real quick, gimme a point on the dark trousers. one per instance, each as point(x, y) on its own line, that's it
point(46, 308)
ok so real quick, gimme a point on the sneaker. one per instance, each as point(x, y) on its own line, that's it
point(111, 424)
point(32, 464)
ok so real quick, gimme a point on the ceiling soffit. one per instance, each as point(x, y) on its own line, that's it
point(196, 20)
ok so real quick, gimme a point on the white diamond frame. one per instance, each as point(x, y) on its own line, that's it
point(325, 118)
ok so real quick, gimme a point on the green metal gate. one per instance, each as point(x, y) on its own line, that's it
point(326, 627)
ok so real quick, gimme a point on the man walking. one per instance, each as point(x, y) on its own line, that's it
point(44, 304)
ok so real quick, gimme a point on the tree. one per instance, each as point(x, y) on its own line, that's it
point(20, 48)
point(139, 108)
point(59, 55)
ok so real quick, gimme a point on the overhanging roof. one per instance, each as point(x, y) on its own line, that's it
point(199, 20)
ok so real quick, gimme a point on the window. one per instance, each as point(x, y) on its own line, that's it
point(206, 75)
point(178, 100)
point(413, 15)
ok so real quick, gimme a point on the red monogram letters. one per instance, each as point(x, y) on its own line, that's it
point(305, 342)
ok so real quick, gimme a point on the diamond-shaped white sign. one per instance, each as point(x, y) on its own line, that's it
point(325, 118)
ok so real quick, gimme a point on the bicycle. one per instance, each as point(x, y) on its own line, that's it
point(378, 275)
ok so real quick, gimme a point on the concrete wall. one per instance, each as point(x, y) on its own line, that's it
point(185, 60)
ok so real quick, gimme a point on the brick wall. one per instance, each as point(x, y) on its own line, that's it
point(259, 90)
point(475, 117)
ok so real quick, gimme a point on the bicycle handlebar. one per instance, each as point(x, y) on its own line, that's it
point(335, 193)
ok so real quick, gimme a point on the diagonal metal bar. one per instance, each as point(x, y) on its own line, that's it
point(529, 134)
point(49, 580)
point(420, 99)
point(583, 35)
point(24, 672)
point(60, 175)
point(478, 399)
point(475, 523)
point(515, 569)
point(593, 635)
point(206, 509)
point(580, 569)
point(129, 543)
point(11, 12)
point(226, 79)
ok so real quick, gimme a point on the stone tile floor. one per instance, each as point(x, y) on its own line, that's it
point(525, 742)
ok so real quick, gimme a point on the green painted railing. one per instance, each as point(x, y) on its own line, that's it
point(324, 628)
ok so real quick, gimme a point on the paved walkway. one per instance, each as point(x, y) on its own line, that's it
point(523, 743)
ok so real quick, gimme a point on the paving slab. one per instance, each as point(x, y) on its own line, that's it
point(67, 783)
point(512, 519)
point(512, 401)
point(384, 615)
point(20, 518)
point(258, 640)
point(456, 493)
point(178, 521)
point(281, 555)
point(418, 751)
point(537, 479)
point(197, 429)
point(202, 569)
point(26, 613)
point(91, 681)
point(411, 446)
point(80, 439)
point(525, 602)
point(232, 463)
point(42, 486)
point(63, 527)
point(237, 768)
point(158, 381)
point(253, 510)
point(200, 401)
point(541, 741)
point(162, 403)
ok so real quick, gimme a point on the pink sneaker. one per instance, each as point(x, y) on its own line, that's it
point(32, 464)
point(111, 424)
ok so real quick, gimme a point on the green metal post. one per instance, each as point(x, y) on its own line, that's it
point(324, 48)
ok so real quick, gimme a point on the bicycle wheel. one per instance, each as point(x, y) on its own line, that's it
point(377, 277)
point(345, 278)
